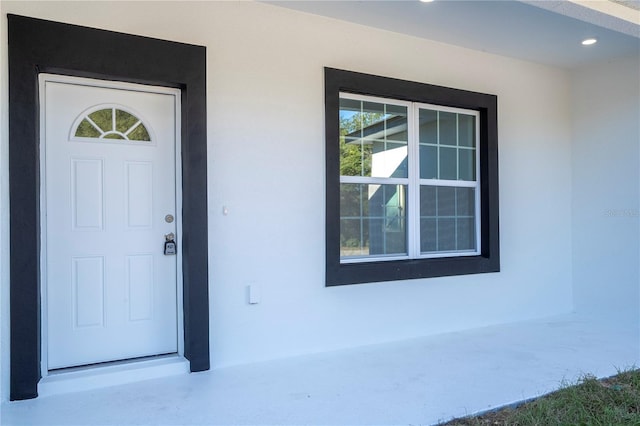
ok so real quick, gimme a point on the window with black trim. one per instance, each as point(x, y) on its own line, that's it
point(412, 180)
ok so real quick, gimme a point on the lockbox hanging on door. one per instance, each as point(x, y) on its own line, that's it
point(170, 246)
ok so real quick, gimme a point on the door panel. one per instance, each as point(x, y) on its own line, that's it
point(111, 292)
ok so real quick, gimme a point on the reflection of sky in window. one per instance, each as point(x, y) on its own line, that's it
point(346, 115)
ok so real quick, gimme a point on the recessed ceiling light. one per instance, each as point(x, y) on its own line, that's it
point(589, 41)
point(426, 1)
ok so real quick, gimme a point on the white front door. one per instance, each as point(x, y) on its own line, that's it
point(109, 199)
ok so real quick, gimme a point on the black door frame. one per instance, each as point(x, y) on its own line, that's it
point(39, 46)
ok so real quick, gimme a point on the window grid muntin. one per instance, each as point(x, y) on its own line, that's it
point(414, 184)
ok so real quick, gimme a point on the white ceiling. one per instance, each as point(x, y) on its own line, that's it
point(547, 32)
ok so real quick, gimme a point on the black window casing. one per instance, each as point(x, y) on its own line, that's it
point(337, 81)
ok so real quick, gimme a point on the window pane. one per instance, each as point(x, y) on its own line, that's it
point(446, 234)
point(372, 219)
point(389, 160)
point(140, 133)
point(373, 112)
point(448, 163)
point(373, 139)
point(351, 201)
point(355, 158)
point(113, 136)
point(354, 228)
point(428, 235)
point(428, 126)
point(467, 164)
point(86, 130)
point(465, 202)
point(428, 162)
point(466, 234)
point(428, 201)
point(398, 136)
point(354, 237)
point(466, 130)
point(448, 128)
point(124, 121)
point(396, 110)
point(349, 106)
point(446, 201)
point(103, 119)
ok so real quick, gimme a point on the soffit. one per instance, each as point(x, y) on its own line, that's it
point(547, 32)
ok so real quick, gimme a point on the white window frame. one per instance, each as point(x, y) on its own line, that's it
point(414, 183)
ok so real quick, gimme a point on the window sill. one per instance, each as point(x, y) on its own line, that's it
point(395, 270)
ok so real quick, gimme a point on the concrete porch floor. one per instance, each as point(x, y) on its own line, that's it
point(419, 381)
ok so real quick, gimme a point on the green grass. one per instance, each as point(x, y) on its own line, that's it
point(589, 401)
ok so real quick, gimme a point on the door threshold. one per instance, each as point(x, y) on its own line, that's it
point(97, 376)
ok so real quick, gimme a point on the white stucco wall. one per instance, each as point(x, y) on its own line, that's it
point(606, 188)
point(266, 165)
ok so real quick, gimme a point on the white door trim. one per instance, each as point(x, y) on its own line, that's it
point(176, 93)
